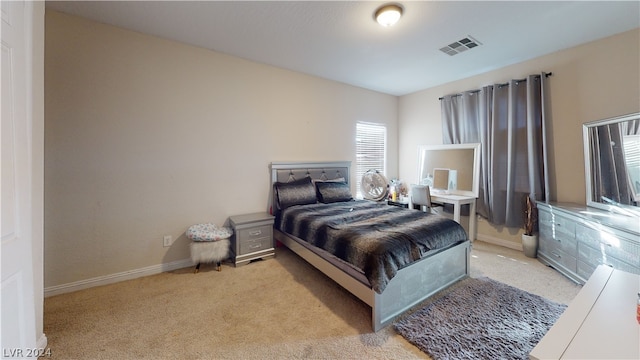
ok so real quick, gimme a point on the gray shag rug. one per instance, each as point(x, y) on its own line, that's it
point(481, 318)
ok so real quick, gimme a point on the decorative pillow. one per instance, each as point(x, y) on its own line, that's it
point(299, 192)
point(329, 192)
point(340, 179)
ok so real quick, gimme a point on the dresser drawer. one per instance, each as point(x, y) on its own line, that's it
point(595, 257)
point(610, 244)
point(562, 259)
point(253, 233)
point(553, 240)
point(557, 227)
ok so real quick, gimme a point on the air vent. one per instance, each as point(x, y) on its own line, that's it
point(460, 46)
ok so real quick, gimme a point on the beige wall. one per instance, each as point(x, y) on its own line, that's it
point(145, 136)
point(597, 80)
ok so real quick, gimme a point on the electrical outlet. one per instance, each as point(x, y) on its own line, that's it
point(167, 240)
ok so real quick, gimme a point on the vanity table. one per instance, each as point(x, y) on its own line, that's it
point(460, 185)
point(457, 201)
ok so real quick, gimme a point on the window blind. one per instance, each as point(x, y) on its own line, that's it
point(371, 147)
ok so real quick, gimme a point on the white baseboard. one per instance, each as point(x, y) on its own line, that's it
point(113, 278)
point(500, 242)
point(42, 342)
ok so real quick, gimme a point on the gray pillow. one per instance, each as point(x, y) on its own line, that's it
point(299, 192)
point(330, 192)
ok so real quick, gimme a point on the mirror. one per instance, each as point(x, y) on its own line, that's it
point(612, 163)
point(459, 163)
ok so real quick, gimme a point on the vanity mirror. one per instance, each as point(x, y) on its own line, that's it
point(612, 163)
point(457, 166)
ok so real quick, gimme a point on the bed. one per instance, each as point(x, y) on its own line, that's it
point(335, 233)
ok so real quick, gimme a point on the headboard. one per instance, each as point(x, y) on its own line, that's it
point(291, 171)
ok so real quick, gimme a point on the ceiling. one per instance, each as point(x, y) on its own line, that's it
point(340, 41)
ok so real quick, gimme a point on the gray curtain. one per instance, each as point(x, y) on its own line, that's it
point(509, 122)
point(608, 167)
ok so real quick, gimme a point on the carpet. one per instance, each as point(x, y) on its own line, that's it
point(480, 318)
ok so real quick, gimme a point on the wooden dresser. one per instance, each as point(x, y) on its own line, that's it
point(575, 239)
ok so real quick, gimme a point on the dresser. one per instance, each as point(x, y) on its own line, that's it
point(575, 239)
point(252, 237)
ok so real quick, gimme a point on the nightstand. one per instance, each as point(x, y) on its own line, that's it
point(399, 203)
point(252, 237)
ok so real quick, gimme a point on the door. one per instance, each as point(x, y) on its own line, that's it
point(18, 334)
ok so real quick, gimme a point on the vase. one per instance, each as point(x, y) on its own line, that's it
point(530, 245)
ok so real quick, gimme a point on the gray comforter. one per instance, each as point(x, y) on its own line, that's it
point(374, 237)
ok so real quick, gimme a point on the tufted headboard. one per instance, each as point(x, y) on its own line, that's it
point(291, 171)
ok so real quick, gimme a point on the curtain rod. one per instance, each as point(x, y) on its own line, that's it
point(517, 80)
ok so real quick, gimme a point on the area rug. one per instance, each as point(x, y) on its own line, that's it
point(481, 318)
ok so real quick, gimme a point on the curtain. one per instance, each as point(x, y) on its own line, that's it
point(608, 168)
point(508, 120)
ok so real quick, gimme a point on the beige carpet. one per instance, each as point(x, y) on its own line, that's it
point(273, 309)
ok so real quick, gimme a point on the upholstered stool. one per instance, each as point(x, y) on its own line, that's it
point(209, 244)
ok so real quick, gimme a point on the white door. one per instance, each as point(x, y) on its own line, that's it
point(18, 335)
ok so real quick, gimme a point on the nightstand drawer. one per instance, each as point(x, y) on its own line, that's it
point(255, 233)
point(255, 244)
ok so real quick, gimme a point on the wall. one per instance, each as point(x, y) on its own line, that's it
point(593, 81)
point(145, 137)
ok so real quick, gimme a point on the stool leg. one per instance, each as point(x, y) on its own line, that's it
point(197, 269)
point(219, 267)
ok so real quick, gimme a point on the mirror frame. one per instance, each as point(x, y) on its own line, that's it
point(587, 160)
point(476, 164)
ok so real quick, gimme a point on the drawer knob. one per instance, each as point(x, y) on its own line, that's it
point(255, 232)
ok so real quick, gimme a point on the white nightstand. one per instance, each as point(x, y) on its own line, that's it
point(252, 237)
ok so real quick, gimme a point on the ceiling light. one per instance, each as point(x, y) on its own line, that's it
point(388, 14)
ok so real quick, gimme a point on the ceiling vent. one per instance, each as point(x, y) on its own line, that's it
point(460, 46)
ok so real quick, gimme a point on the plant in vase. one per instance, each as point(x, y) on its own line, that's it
point(529, 238)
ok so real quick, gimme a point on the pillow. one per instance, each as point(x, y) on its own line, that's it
point(329, 192)
point(299, 192)
point(340, 179)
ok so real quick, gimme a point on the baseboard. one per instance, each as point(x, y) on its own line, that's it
point(500, 242)
point(113, 278)
point(42, 342)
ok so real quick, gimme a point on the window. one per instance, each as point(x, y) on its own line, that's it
point(371, 147)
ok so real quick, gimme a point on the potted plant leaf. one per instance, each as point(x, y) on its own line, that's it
point(529, 238)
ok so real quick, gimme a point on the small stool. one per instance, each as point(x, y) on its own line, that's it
point(209, 243)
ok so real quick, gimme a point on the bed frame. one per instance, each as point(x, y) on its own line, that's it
point(411, 284)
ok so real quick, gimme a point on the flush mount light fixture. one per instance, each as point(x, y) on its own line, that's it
point(388, 14)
